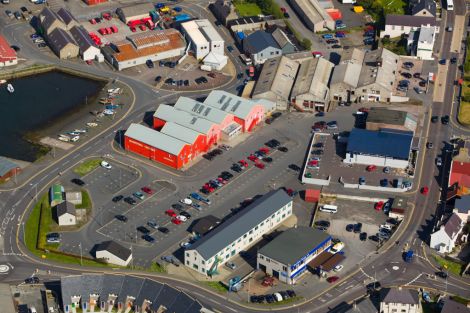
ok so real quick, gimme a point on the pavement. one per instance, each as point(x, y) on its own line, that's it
point(386, 266)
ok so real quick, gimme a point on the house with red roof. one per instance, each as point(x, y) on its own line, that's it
point(460, 172)
point(7, 54)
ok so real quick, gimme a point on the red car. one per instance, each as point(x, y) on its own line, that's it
point(89, 62)
point(371, 168)
point(259, 165)
point(332, 279)
point(170, 213)
point(133, 29)
point(252, 157)
point(379, 205)
point(243, 163)
point(221, 180)
point(425, 190)
point(176, 221)
point(317, 54)
point(264, 149)
point(147, 190)
point(290, 192)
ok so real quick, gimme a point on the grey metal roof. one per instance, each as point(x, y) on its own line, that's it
point(155, 139)
point(426, 34)
point(386, 143)
point(280, 38)
point(82, 38)
point(313, 77)
point(383, 115)
point(66, 16)
point(451, 306)
point(418, 6)
point(259, 41)
point(6, 166)
point(112, 284)
point(65, 207)
point(197, 108)
point(380, 67)
point(462, 204)
point(410, 20)
point(149, 291)
point(240, 223)
point(403, 296)
point(59, 39)
point(180, 132)
point(166, 297)
point(114, 248)
point(131, 287)
point(293, 244)
point(208, 30)
point(349, 70)
point(230, 103)
point(171, 114)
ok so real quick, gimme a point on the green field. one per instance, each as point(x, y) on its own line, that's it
point(86, 167)
point(247, 9)
point(378, 9)
point(452, 267)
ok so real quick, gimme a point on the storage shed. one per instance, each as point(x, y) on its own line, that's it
point(312, 195)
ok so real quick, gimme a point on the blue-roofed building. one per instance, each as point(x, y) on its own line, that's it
point(382, 148)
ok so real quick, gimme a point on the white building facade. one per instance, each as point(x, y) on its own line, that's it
point(445, 238)
point(203, 37)
point(67, 219)
point(239, 232)
point(425, 43)
point(112, 258)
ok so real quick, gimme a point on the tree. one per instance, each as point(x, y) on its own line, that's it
point(306, 44)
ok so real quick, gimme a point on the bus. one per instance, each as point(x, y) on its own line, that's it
point(329, 208)
point(450, 5)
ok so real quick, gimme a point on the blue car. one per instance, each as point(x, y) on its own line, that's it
point(229, 48)
point(325, 36)
point(340, 35)
point(339, 22)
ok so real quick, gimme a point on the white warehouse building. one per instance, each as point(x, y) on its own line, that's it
point(386, 147)
point(238, 232)
point(203, 37)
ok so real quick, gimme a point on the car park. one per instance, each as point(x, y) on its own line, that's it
point(121, 218)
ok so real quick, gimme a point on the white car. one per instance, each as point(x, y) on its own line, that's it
point(182, 218)
point(337, 247)
point(106, 165)
point(186, 201)
point(338, 268)
point(386, 226)
point(185, 244)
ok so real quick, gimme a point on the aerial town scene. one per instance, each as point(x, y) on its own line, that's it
point(219, 156)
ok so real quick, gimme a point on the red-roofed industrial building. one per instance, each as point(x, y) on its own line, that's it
point(460, 171)
point(7, 54)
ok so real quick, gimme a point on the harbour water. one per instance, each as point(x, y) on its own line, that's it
point(39, 102)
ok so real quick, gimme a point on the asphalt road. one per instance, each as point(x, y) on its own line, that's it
point(386, 266)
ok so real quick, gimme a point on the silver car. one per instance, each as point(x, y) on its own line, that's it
point(153, 224)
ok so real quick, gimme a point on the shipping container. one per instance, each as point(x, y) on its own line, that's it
point(150, 24)
point(182, 18)
point(358, 9)
point(334, 14)
point(312, 195)
point(134, 23)
point(241, 35)
point(94, 2)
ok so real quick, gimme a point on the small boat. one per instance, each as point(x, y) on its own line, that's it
point(108, 112)
point(114, 90)
point(64, 139)
point(80, 131)
point(73, 133)
point(91, 124)
point(111, 106)
point(2, 81)
point(10, 88)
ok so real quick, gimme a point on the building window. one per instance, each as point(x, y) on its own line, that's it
point(283, 215)
point(284, 268)
point(251, 239)
point(251, 232)
point(227, 256)
point(262, 224)
point(195, 266)
point(239, 240)
point(203, 262)
point(261, 257)
point(245, 235)
point(187, 262)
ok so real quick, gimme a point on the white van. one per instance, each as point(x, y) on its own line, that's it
point(337, 247)
point(277, 296)
point(329, 208)
point(33, 309)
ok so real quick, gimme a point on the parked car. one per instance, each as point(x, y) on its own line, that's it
point(149, 63)
point(148, 238)
point(170, 213)
point(117, 198)
point(147, 190)
point(78, 181)
point(130, 200)
point(186, 201)
point(163, 230)
point(230, 265)
point(121, 218)
point(363, 236)
point(139, 195)
point(105, 165)
point(143, 229)
point(332, 279)
point(153, 224)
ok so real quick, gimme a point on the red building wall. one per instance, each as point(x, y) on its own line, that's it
point(93, 2)
point(10, 174)
point(158, 123)
point(199, 146)
point(154, 154)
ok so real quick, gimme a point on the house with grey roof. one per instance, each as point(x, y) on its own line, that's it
point(286, 256)
point(68, 19)
point(445, 238)
point(423, 7)
point(462, 207)
point(8, 168)
point(49, 21)
point(276, 80)
point(62, 44)
point(280, 37)
point(87, 48)
point(345, 78)
point(400, 300)
point(239, 232)
point(113, 253)
point(65, 214)
point(397, 25)
point(310, 91)
point(451, 306)
point(223, 10)
point(108, 292)
point(204, 225)
point(261, 46)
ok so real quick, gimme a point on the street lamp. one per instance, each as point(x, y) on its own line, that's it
point(81, 254)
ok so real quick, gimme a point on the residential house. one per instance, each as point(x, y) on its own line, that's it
point(62, 44)
point(451, 306)
point(397, 25)
point(283, 41)
point(276, 80)
point(460, 172)
point(423, 8)
point(49, 21)
point(395, 300)
point(421, 43)
point(223, 11)
point(345, 77)
point(65, 214)
point(445, 238)
point(113, 253)
point(68, 19)
point(261, 46)
point(310, 91)
point(87, 48)
point(462, 207)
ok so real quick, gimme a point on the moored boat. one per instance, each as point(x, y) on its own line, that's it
point(10, 88)
point(91, 124)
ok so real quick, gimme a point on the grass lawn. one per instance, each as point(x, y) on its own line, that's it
point(154, 267)
point(86, 201)
point(464, 113)
point(392, 6)
point(460, 300)
point(396, 45)
point(247, 9)
point(217, 286)
point(86, 167)
point(452, 267)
